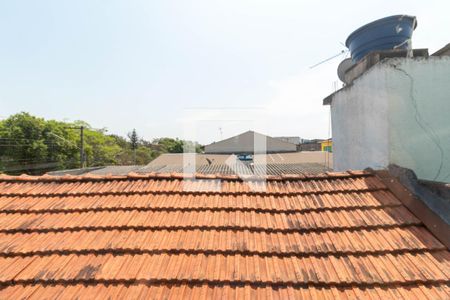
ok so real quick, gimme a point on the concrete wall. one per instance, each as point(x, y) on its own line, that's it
point(359, 117)
point(289, 139)
point(419, 106)
point(397, 112)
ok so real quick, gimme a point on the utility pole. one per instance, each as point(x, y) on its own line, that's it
point(82, 158)
point(82, 155)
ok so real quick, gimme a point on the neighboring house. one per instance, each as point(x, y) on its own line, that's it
point(311, 145)
point(159, 236)
point(289, 139)
point(395, 110)
point(250, 142)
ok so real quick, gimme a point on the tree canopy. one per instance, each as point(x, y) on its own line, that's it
point(33, 145)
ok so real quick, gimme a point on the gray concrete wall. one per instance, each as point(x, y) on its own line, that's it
point(419, 118)
point(359, 116)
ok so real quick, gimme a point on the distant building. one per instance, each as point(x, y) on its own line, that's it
point(250, 142)
point(311, 145)
point(290, 139)
point(327, 145)
point(394, 110)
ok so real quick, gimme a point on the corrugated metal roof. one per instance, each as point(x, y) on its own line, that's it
point(244, 168)
point(335, 235)
point(105, 170)
point(324, 158)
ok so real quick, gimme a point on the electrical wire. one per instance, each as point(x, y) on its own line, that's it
point(25, 145)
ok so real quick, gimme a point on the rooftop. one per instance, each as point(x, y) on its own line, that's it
point(102, 170)
point(246, 168)
point(250, 142)
point(174, 162)
point(334, 235)
point(309, 162)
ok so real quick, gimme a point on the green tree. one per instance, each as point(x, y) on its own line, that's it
point(170, 145)
point(100, 149)
point(29, 144)
point(33, 145)
point(134, 141)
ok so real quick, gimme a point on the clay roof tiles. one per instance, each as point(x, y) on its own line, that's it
point(335, 235)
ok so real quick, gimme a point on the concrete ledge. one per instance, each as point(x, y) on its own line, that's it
point(431, 209)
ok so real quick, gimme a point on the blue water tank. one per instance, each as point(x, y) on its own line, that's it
point(383, 34)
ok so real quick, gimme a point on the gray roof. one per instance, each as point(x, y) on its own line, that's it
point(250, 142)
point(108, 170)
point(311, 162)
point(324, 158)
point(243, 168)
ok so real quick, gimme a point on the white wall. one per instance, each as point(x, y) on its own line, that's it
point(397, 112)
point(359, 120)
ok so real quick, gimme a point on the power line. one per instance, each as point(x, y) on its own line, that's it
point(25, 141)
point(3, 138)
point(25, 145)
point(31, 159)
point(36, 166)
point(12, 143)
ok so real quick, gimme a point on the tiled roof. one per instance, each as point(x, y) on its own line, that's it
point(333, 236)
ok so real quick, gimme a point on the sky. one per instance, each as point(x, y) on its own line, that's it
point(201, 70)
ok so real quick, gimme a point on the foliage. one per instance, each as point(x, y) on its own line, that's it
point(134, 140)
point(176, 145)
point(29, 144)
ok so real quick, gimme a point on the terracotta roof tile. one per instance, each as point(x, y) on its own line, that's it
point(330, 236)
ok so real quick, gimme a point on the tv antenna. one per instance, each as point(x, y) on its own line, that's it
point(329, 58)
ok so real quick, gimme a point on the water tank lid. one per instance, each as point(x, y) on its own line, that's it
point(371, 24)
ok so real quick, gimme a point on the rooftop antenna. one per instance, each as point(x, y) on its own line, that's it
point(329, 58)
